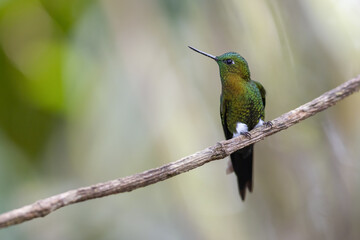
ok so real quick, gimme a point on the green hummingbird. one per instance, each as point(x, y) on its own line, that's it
point(242, 108)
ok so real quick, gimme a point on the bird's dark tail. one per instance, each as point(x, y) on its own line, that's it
point(242, 162)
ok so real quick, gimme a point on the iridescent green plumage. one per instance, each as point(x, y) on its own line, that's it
point(242, 107)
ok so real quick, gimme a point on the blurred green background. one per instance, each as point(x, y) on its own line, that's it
point(95, 90)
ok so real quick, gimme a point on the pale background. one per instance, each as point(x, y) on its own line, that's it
point(95, 90)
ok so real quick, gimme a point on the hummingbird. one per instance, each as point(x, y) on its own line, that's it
point(242, 108)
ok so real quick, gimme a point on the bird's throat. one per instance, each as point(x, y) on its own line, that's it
point(233, 85)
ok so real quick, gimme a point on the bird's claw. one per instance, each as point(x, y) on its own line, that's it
point(268, 124)
point(246, 134)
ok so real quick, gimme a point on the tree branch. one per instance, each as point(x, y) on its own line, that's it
point(220, 150)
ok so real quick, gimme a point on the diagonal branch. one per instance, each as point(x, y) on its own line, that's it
point(43, 207)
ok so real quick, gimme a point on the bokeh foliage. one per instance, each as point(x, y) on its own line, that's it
point(94, 90)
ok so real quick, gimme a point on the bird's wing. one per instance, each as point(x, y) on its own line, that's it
point(262, 91)
point(223, 109)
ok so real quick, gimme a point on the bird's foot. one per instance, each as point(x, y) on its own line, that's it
point(246, 134)
point(268, 124)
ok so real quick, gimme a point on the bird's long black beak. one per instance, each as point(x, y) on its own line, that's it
point(203, 53)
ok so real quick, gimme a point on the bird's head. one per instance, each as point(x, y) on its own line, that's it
point(230, 63)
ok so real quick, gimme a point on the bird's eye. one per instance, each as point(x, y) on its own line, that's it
point(229, 61)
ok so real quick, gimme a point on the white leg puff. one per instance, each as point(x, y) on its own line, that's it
point(260, 123)
point(240, 128)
